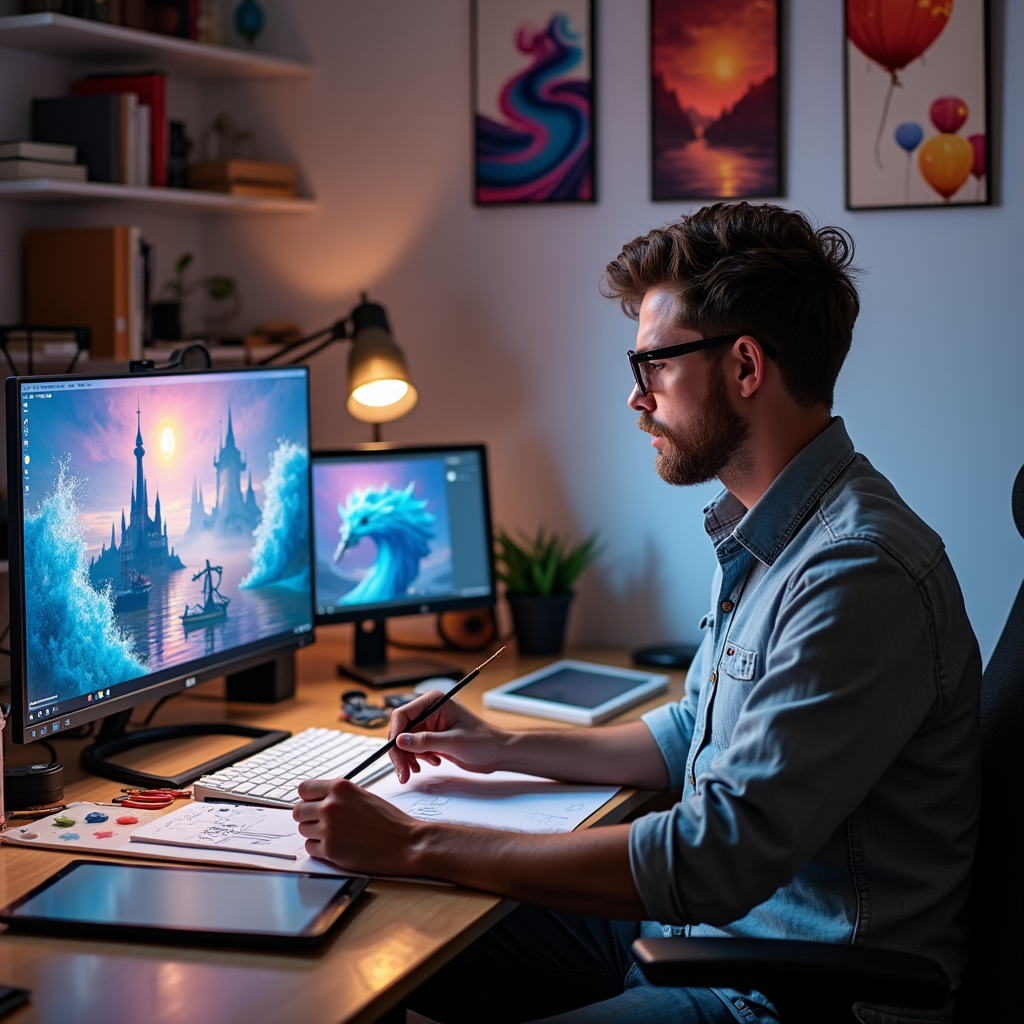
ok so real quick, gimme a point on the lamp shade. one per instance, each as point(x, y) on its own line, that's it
point(379, 388)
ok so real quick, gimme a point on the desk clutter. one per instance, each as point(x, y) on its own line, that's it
point(267, 838)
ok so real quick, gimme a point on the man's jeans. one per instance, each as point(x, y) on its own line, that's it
point(538, 965)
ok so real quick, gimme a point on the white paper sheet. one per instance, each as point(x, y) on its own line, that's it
point(112, 839)
point(502, 800)
point(242, 828)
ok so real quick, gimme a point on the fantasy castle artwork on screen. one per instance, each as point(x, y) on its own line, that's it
point(382, 533)
point(166, 521)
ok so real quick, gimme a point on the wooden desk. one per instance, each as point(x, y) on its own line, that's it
point(395, 936)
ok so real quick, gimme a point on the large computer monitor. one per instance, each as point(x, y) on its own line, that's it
point(159, 536)
point(399, 531)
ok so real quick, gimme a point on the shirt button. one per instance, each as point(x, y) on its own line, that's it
point(731, 651)
point(727, 606)
point(712, 677)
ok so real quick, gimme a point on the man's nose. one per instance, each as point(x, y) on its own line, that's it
point(640, 402)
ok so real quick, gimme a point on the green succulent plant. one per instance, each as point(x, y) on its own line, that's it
point(542, 565)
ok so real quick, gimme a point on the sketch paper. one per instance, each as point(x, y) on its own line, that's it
point(242, 828)
point(502, 800)
point(111, 839)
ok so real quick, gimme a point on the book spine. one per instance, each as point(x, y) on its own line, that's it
point(122, 293)
point(136, 286)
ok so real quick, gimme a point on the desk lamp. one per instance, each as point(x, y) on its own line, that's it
point(379, 389)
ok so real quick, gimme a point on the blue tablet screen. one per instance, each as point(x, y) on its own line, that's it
point(260, 902)
point(577, 687)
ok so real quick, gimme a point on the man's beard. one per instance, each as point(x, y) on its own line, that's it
point(709, 444)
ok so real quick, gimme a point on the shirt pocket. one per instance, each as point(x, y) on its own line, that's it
point(739, 662)
point(737, 672)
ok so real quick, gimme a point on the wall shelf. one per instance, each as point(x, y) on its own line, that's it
point(47, 189)
point(115, 47)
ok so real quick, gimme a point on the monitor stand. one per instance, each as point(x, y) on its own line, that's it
point(114, 739)
point(371, 666)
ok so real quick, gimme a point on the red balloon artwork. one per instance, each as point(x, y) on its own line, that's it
point(980, 155)
point(948, 113)
point(895, 32)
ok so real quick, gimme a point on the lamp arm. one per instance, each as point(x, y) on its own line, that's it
point(337, 331)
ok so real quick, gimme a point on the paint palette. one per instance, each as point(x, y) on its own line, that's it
point(96, 828)
point(90, 828)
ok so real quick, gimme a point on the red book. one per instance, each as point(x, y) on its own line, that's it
point(151, 90)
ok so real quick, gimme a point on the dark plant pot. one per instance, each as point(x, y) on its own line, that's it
point(166, 317)
point(540, 621)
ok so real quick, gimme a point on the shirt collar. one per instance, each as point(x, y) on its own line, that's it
point(767, 528)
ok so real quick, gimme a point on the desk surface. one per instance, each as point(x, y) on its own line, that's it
point(395, 936)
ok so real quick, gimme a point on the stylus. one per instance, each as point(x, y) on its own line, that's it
point(391, 744)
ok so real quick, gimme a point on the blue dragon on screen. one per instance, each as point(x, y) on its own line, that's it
point(165, 520)
point(384, 530)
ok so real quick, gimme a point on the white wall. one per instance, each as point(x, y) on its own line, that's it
point(510, 342)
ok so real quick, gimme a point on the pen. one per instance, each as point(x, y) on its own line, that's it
point(390, 745)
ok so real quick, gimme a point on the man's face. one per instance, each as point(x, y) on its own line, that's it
point(687, 410)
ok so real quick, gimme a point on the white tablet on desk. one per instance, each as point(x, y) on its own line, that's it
point(576, 691)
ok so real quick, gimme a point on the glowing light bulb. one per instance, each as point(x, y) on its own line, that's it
point(381, 392)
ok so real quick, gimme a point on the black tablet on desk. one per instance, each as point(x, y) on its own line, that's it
point(157, 903)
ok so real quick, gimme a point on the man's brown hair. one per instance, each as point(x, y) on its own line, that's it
point(758, 270)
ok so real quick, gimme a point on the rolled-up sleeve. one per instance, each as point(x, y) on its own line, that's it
point(671, 725)
point(849, 676)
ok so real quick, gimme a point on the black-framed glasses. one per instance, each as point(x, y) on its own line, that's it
point(642, 373)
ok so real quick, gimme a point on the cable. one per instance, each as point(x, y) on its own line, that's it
point(7, 630)
point(50, 749)
point(156, 707)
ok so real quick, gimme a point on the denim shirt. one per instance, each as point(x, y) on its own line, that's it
point(827, 745)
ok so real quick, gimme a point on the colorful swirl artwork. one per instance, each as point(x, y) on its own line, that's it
point(543, 151)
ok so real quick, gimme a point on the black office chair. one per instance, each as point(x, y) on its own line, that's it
point(819, 983)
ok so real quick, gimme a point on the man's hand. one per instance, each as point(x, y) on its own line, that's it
point(584, 872)
point(344, 824)
point(453, 731)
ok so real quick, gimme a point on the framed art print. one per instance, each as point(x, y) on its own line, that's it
point(917, 105)
point(533, 101)
point(715, 113)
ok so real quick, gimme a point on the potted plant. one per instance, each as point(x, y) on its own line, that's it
point(538, 574)
point(167, 314)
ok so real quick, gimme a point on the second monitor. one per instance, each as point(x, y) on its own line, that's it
point(399, 531)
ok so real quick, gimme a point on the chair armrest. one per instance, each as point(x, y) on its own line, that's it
point(788, 971)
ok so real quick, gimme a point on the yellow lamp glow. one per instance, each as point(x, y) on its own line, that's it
point(379, 393)
point(379, 389)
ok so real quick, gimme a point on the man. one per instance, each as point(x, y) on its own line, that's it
point(826, 747)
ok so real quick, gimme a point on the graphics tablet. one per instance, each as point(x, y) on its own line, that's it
point(100, 899)
point(576, 691)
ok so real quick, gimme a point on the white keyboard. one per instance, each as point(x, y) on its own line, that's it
point(272, 776)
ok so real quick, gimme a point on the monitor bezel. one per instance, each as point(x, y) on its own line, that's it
point(444, 604)
point(180, 677)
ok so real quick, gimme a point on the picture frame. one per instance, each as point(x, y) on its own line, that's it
point(917, 100)
point(533, 102)
point(716, 99)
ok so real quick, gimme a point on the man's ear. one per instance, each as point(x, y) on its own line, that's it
point(750, 364)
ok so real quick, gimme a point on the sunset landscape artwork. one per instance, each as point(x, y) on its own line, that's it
point(916, 103)
point(715, 99)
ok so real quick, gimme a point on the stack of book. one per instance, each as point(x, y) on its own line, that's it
point(23, 159)
point(118, 124)
point(244, 178)
point(89, 277)
point(183, 18)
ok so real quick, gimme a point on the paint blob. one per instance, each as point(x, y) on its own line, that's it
point(103, 835)
point(63, 821)
point(95, 817)
point(29, 835)
point(127, 819)
point(70, 837)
